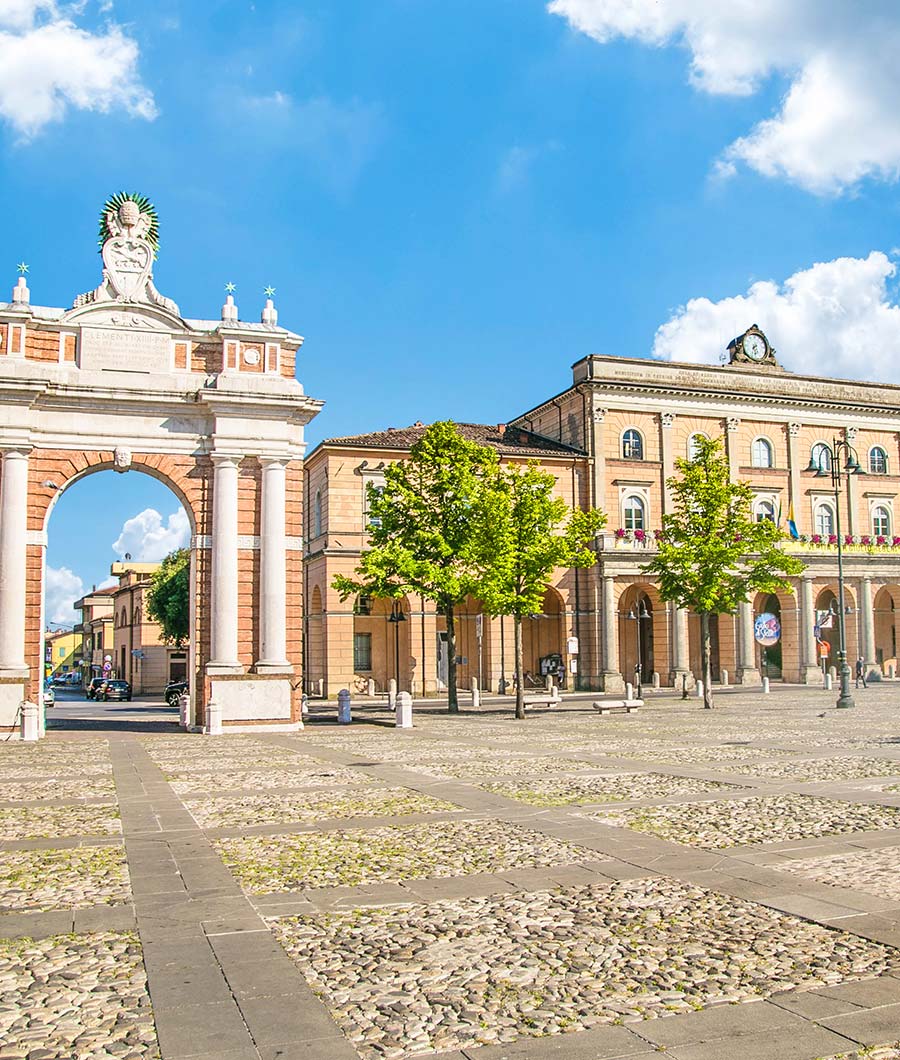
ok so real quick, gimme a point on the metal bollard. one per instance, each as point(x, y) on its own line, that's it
point(829, 682)
point(684, 690)
point(404, 711)
point(344, 714)
point(724, 678)
point(30, 724)
point(476, 695)
point(765, 686)
point(698, 691)
point(213, 719)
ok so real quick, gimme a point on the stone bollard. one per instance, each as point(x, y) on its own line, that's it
point(404, 711)
point(891, 671)
point(724, 678)
point(765, 686)
point(654, 679)
point(629, 690)
point(698, 690)
point(554, 691)
point(320, 687)
point(304, 706)
point(30, 724)
point(829, 682)
point(344, 715)
point(833, 671)
point(213, 719)
point(548, 682)
point(392, 693)
point(476, 695)
point(184, 710)
point(370, 688)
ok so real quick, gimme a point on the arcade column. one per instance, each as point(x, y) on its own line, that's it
point(13, 542)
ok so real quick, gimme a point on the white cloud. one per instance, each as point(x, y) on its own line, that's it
point(62, 587)
point(836, 318)
point(838, 122)
point(108, 583)
point(147, 538)
point(49, 64)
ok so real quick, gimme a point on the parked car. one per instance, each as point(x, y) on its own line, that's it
point(95, 683)
point(174, 691)
point(49, 696)
point(114, 690)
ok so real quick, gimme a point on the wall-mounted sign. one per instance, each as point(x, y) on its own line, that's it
point(767, 630)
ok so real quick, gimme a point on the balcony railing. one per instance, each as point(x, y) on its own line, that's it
point(643, 541)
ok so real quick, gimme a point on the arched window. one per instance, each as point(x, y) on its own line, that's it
point(878, 464)
point(825, 520)
point(821, 456)
point(632, 445)
point(317, 514)
point(692, 449)
point(881, 521)
point(634, 512)
point(363, 605)
point(763, 455)
point(765, 510)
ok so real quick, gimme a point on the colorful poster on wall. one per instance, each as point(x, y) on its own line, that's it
point(767, 630)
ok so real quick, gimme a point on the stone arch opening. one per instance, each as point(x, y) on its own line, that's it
point(543, 639)
point(641, 629)
point(315, 644)
point(828, 628)
point(886, 619)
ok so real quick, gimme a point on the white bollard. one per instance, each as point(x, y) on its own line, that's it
point(724, 678)
point(344, 715)
point(765, 686)
point(891, 671)
point(476, 695)
point(629, 690)
point(833, 671)
point(304, 705)
point(30, 724)
point(392, 693)
point(554, 691)
point(654, 679)
point(404, 711)
point(370, 688)
point(320, 687)
point(698, 690)
point(548, 682)
point(213, 719)
point(829, 682)
point(184, 710)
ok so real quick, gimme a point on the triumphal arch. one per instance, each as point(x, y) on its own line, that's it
point(211, 408)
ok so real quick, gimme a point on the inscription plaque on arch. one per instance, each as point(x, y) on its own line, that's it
point(124, 350)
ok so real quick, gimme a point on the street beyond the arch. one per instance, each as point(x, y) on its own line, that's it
point(705, 884)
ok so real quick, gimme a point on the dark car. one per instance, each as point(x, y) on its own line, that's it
point(174, 691)
point(114, 690)
point(95, 683)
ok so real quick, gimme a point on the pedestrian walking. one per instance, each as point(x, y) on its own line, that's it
point(860, 673)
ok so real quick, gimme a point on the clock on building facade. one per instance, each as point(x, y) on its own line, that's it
point(751, 348)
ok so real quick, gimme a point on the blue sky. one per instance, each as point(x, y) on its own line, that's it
point(455, 202)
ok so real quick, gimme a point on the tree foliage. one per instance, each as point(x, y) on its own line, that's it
point(168, 599)
point(525, 533)
point(422, 528)
point(712, 554)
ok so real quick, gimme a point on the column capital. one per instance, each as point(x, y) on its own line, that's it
point(599, 415)
point(794, 429)
point(11, 450)
point(226, 459)
point(269, 461)
point(732, 423)
point(667, 419)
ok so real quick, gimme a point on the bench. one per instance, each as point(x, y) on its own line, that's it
point(545, 700)
point(617, 706)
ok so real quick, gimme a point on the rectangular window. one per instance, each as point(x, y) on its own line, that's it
point(362, 652)
point(62, 653)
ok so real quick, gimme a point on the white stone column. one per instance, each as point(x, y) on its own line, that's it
point(273, 569)
point(609, 620)
point(810, 673)
point(13, 542)
point(224, 596)
point(867, 619)
point(598, 452)
point(748, 671)
point(666, 423)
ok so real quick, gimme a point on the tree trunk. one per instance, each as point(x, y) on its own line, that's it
point(520, 680)
point(452, 698)
point(705, 660)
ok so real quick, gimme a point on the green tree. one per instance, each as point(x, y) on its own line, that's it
point(168, 599)
point(712, 554)
point(422, 529)
point(525, 534)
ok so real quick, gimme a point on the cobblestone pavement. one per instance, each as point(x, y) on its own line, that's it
point(460, 891)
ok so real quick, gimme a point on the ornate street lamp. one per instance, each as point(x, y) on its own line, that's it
point(641, 615)
point(396, 617)
point(838, 449)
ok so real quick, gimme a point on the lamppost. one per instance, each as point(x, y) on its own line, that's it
point(637, 618)
point(839, 449)
point(396, 617)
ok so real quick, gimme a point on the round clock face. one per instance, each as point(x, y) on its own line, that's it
point(754, 347)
